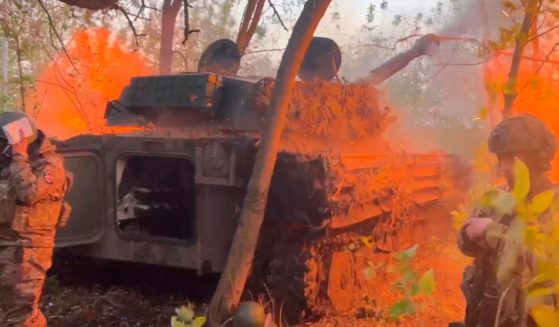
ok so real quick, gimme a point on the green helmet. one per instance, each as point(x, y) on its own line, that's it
point(249, 314)
point(524, 133)
point(7, 117)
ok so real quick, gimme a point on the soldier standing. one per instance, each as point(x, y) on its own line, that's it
point(526, 138)
point(32, 207)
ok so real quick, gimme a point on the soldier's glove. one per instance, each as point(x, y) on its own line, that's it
point(21, 147)
point(475, 229)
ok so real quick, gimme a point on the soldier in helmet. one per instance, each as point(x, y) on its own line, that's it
point(33, 183)
point(521, 137)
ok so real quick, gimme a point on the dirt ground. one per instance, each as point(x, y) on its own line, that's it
point(84, 293)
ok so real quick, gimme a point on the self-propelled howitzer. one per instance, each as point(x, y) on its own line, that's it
point(171, 192)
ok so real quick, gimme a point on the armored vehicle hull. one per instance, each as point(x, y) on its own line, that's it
point(171, 193)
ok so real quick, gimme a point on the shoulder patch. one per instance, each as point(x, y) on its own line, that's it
point(5, 173)
point(48, 176)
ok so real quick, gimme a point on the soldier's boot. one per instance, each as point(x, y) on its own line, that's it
point(24, 303)
point(23, 311)
point(36, 320)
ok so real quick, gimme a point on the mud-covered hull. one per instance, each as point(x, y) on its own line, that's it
point(306, 192)
point(171, 193)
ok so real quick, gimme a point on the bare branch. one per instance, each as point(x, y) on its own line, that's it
point(149, 7)
point(38, 110)
point(531, 14)
point(375, 45)
point(68, 89)
point(551, 29)
point(530, 58)
point(277, 15)
point(263, 50)
point(51, 24)
point(498, 53)
point(183, 57)
point(52, 43)
point(465, 63)
point(55, 84)
point(546, 60)
point(454, 49)
point(58, 72)
point(143, 6)
point(91, 4)
point(187, 30)
point(130, 23)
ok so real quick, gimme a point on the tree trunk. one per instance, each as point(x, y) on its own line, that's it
point(536, 49)
point(169, 13)
point(20, 71)
point(531, 13)
point(241, 254)
point(251, 18)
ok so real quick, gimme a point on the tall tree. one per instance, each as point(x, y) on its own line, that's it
point(251, 17)
point(532, 8)
point(169, 13)
point(241, 254)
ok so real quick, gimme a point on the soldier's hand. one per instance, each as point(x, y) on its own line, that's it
point(21, 146)
point(475, 228)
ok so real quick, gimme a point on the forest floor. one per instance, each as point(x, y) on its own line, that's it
point(84, 293)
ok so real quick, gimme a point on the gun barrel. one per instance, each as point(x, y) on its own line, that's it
point(401, 60)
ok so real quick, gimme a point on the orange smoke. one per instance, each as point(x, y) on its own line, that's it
point(538, 91)
point(69, 98)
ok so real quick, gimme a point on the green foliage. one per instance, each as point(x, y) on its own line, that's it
point(409, 284)
point(371, 13)
point(407, 255)
point(531, 243)
point(427, 282)
point(404, 307)
point(186, 317)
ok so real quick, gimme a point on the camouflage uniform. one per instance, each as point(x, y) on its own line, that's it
point(517, 134)
point(480, 285)
point(31, 208)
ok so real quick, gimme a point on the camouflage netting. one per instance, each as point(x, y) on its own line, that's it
point(331, 110)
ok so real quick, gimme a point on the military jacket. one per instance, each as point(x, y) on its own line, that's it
point(32, 198)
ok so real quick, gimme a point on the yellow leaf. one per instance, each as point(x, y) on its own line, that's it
point(521, 180)
point(542, 201)
point(532, 237)
point(546, 316)
point(427, 282)
point(199, 321)
point(185, 313)
point(541, 292)
point(547, 270)
point(368, 242)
